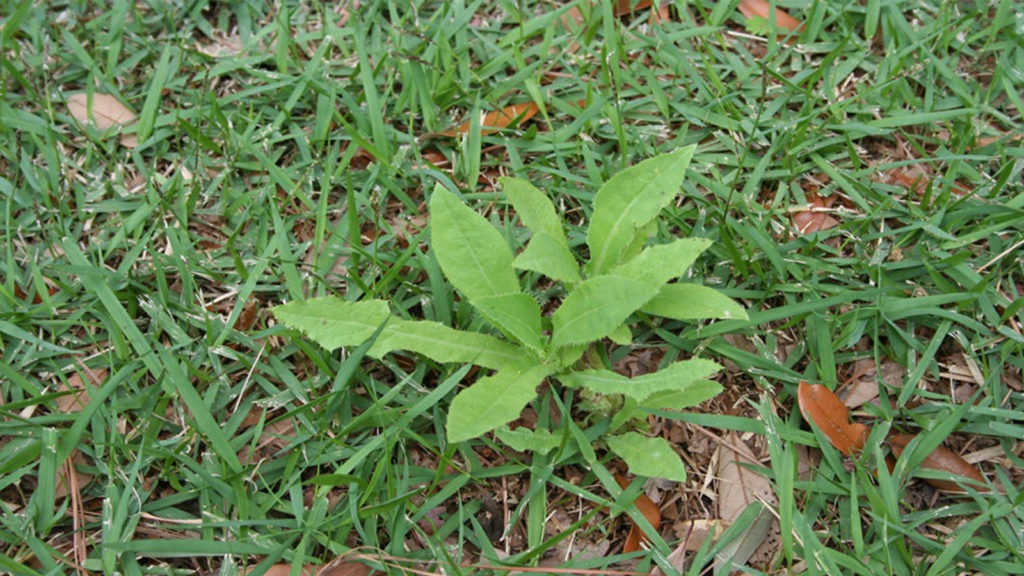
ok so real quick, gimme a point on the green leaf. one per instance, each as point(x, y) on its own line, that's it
point(495, 400)
point(550, 257)
point(332, 322)
point(652, 457)
point(622, 335)
point(693, 302)
point(694, 393)
point(646, 232)
point(597, 307)
point(444, 344)
point(523, 439)
point(628, 201)
point(534, 208)
point(566, 356)
point(658, 264)
point(517, 315)
point(679, 376)
point(474, 256)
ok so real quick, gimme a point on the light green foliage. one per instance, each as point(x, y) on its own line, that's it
point(648, 456)
point(550, 257)
point(474, 256)
point(628, 202)
point(596, 308)
point(495, 400)
point(678, 377)
point(525, 440)
point(334, 323)
point(623, 277)
point(693, 302)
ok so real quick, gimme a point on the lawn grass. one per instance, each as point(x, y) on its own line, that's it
point(295, 164)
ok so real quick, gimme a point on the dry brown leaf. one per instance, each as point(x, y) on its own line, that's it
point(945, 460)
point(738, 488)
point(623, 7)
point(103, 111)
point(276, 436)
point(697, 532)
point(821, 407)
point(497, 120)
point(106, 111)
point(867, 380)
point(76, 480)
point(345, 569)
point(762, 9)
point(649, 509)
point(247, 318)
point(286, 569)
point(79, 389)
point(80, 385)
point(814, 218)
point(807, 459)
point(221, 45)
point(917, 179)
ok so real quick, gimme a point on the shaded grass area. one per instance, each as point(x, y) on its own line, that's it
point(293, 164)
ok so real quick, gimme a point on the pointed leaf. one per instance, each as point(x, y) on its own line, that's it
point(646, 232)
point(679, 376)
point(525, 440)
point(596, 307)
point(628, 201)
point(495, 400)
point(550, 257)
point(682, 301)
point(694, 393)
point(660, 263)
point(944, 460)
point(472, 253)
point(332, 322)
point(622, 335)
point(444, 344)
point(533, 207)
point(652, 457)
point(821, 407)
point(517, 315)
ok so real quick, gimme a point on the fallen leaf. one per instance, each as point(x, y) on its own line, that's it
point(345, 569)
point(497, 120)
point(807, 460)
point(286, 569)
point(276, 436)
point(738, 488)
point(70, 478)
point(762, 9)
point(103, 111)
point(868, 379)
point(697, 532)
point(649, 509)
point(79, 386)
point(247, 318)
point(821, 407)
point(814, 218)
point(78, 397)
point(945, 460)
point(221, 45)
point(758, 540)
point(623, 7)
